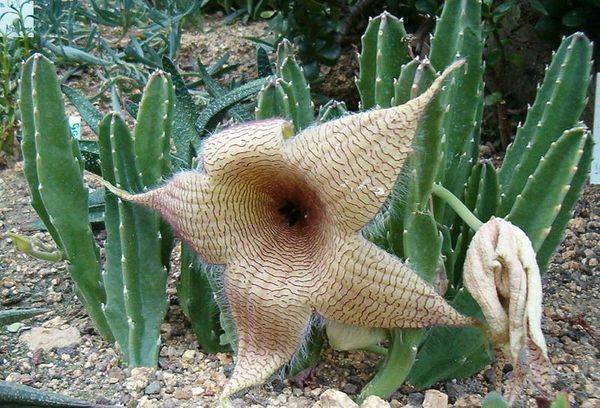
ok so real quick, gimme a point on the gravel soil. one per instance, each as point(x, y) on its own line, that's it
point(186, 377)
point(189, 378)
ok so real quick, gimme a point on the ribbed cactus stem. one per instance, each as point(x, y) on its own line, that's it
point(384, 49)
point(537, 206)
point(414, 78)
point(153, 123)
point(553, 238)
point(272, 101)
point(458, 35)
point(332, 110)
point(54, 173)
point(295, 87)
point(557, 107)
point(197, 301)
point(135, 274)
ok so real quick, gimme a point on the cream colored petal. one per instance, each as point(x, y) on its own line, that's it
point(513, 274)
point(191, 204)
point(534, 290)
point(346, 337)
point(479, 276)
point(502, 275)
point(354, 161)
point(365, 286)
point(270, 322)
point(249, 146)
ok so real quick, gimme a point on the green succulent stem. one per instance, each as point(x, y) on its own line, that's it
point(459, 208)
point(376, 349)
point(396, 366)
point(30, 247)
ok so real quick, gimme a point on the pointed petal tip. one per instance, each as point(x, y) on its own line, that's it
point(143, 199)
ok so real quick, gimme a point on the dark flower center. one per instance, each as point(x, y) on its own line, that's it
point(292, 212)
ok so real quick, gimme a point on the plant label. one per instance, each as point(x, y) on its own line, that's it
point(595, 173)
point(16, 17)
point(75, 126)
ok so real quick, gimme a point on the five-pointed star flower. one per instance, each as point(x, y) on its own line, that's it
point(284, 216)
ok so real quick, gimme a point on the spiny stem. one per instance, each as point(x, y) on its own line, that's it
point(463, 212)
point(29, 246)
point(396, 366)
point(376, 349)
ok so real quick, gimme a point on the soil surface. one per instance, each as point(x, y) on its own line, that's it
point(186, 377)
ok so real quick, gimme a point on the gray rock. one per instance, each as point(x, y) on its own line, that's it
point(375, 402)
point(50, 338)
point(454, 391)
point(152, 388)
point(415, 398)
point(335, 399)
point(435, 399)
point(350, 388)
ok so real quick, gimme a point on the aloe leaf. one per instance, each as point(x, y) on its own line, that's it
point(16, 315)
point(205, 122)
point(86, 109)
point(17, 395)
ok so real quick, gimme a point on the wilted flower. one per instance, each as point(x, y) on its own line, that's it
point(284, 216)
point(502, 275)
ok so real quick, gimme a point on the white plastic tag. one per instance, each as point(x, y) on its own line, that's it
point(75, 126)
point(595, 173)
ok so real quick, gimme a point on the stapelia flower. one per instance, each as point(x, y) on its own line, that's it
point(502, 275)
point(284, 215)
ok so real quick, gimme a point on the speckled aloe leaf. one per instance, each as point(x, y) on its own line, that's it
point(86, 109)
point(56, 177)
point(184, 134)
point(206, 120)
point(16, 315)
point(263, 64)
point(216, 91)
point(89, 153)
point(557, 107)
point(17, 395)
